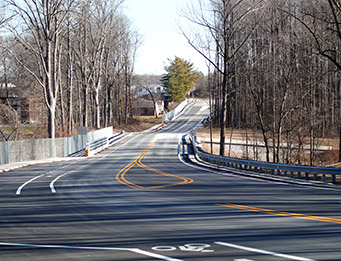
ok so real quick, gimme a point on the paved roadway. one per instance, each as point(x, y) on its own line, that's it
point(139, 200)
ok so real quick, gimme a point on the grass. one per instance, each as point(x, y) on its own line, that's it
point(326, 158)
point(240, 134)
point(151, 119)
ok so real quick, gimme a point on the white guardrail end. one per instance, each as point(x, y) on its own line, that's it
point(100, 144)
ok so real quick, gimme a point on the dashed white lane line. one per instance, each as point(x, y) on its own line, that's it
point(135, 250)
point(52, 188)
point(264, 252)
point(27, 182)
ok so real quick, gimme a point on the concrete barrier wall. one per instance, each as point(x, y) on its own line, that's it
point(4, 153)
point(172, 114)
point(26, 150)
point(38, 149)
point(74, 144)
point(98, 134)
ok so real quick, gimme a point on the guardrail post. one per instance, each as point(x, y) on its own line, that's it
point(333, 178)
point(307, 175)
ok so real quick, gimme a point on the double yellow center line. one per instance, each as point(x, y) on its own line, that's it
point(282, 213)
point(121, 176)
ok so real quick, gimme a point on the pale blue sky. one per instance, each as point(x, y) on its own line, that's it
point(157, 21)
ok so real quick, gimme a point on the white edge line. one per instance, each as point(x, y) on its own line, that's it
point(26, 183)
point(53, 190)
point(217, 172)
point(135, 250)
point(265, 252)
point(146, 253)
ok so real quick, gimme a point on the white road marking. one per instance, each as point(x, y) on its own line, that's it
point(191, 247)
point(164, 248)
point(27, 182)
point(52, 188)
point(264, 252)
point(146, 253)
point(203, 108)
point(135, 250)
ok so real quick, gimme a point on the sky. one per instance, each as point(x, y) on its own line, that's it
point(157, 21)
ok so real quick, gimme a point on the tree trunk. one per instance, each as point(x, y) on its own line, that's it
point(222, 117)
point(97, 108)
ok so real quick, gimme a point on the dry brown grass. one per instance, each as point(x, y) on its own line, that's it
point(141, 123)
point(326, 158)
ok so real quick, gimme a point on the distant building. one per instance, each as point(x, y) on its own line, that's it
point(146, 107)
point(141, 91)
point(144, 104)
point(28, 109)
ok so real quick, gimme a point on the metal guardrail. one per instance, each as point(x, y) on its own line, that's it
point(324, 174)
point(172, 115)
point(101, 144)
point(114, 138)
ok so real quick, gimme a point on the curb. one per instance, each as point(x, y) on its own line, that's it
point(17, 165)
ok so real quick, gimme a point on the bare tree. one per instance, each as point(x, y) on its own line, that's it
point(225, 25)
point(323, 22)
point(44, 21)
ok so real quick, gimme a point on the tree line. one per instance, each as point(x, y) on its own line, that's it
point(79, 53)
point(274, 66)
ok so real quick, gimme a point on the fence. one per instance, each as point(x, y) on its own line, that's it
point(324, 174)
point(172, 114)
point(101, 143)
point(27, 150)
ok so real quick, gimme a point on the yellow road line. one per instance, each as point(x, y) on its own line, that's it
point(120, 176)
point(189, 120)
point(282, 213)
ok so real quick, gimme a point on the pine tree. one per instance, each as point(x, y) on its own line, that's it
point(180, 78)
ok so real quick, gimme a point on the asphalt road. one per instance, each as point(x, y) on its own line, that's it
point(142, 199)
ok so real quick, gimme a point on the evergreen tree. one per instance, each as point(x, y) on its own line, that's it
point(180, 78)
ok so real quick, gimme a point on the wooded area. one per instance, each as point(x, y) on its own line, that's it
point(273, 66)
point(79, 53)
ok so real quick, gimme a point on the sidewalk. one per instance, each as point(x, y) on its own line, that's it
point(18, 165)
